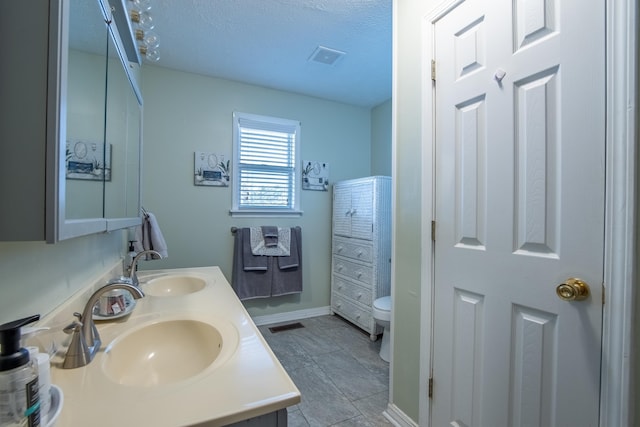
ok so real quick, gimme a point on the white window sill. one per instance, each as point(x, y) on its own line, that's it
point(257, 213)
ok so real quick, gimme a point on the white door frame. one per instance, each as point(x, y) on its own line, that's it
point(616, 393)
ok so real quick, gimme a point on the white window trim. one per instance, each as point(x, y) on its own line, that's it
point(266, 212)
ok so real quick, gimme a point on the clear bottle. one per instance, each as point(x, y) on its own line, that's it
point(19, 395)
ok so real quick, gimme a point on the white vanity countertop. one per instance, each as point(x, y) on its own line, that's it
point(245, 381)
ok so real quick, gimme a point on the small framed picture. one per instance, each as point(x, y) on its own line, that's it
point(315, 175)
point(88, 161)
point(211, 169)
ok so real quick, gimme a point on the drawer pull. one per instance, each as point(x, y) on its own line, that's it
point(340, 248)
point(340, 287)
point(339, 268)
point(359, 254)
point(360, 295)
point(359, 274)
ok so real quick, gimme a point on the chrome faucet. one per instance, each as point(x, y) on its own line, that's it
point(131, 269)
point(85, 342)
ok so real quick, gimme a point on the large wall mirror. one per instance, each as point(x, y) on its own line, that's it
point(70, 116)
point(103, 122)
point(85, 154)
point(123, 128)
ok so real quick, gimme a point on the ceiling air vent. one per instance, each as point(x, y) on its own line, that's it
point(325, 55)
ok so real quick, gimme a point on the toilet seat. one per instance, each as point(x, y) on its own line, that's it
point(382, 308)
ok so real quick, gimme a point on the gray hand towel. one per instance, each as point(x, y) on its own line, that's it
point(293, 260)
point(250, 262)
point(249, 284)
point(149, 236)
point(287, 278)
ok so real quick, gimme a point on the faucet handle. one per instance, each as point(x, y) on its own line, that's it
point(72, 327)
point(78, 352)
point(94, 329)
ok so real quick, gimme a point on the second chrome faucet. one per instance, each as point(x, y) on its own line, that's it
point(130, 270)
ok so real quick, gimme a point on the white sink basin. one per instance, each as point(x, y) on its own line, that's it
point(162, 353)
point(173, 286)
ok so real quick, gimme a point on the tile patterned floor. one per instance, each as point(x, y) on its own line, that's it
point(337, 369)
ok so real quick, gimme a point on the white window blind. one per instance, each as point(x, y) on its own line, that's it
point(265, 153)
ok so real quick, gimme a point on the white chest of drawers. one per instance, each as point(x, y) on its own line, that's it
point(361, 254)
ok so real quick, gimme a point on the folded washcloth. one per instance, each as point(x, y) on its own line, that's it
point(258, 246)
point(270, 235)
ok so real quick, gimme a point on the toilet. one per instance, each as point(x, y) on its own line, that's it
point(382, 316)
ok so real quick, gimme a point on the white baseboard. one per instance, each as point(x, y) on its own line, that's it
point(397, 417)
point(291, 315)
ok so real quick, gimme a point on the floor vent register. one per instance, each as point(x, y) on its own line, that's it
point(287, 327)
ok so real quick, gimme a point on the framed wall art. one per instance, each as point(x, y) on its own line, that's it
point(88, 161)
point(211, 169)
point(315, 175)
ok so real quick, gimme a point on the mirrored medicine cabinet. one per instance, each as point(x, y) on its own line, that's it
point(70, 127)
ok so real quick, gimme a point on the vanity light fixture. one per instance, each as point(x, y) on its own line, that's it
point(143, 24)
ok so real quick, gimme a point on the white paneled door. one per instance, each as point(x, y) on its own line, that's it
point(520, 148)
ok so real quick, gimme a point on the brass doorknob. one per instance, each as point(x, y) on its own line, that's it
point(573, 290)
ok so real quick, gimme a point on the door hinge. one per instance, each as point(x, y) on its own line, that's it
point(433, 70)
point(431, 388)
point(603, 293)
point(433, 231)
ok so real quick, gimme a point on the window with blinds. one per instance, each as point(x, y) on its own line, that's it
point(266, 179)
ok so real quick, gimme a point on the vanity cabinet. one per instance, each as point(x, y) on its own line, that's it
point(53, 160)
point(361, 249)
point(273, 419)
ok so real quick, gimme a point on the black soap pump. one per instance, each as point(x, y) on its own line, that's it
point(18, 378)
point(131, 254)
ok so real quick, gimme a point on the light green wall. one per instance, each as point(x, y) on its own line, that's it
point(381, 139)
point(408, 72)
point(37, 277)
point(186, 113)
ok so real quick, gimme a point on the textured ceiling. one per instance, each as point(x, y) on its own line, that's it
point(269, 43)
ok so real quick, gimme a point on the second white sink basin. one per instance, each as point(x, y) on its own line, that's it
point(173, 286)
point(162, 353)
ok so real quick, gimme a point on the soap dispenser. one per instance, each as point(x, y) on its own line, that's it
point(130, 255)
point(19, 397)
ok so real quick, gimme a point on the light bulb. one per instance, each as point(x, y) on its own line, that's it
point(148, 39)
point(141, 4)
point(143, 19)
point(146, 21)
point(153, 55)
point(151, 40)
